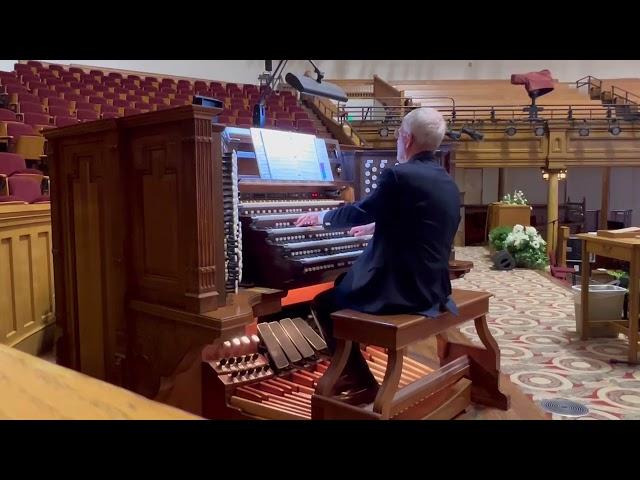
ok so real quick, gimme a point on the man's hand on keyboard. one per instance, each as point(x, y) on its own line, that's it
point(361, 230)
point(310, 218)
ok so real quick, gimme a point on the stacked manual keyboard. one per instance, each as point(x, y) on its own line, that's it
point(281, 255)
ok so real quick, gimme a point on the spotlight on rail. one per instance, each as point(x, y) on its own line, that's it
point(383, 132)
point(614, 128)
point(511, 130)
point(477, 136)
point(453, 135)
point(583, 131)
point(539, 131)
point(315, 87)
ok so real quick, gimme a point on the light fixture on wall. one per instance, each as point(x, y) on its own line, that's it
point(562, 173)
point(545, 173)
point(511, 130)
point(383, 132)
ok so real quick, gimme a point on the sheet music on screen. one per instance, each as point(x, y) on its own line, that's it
point(290, 156)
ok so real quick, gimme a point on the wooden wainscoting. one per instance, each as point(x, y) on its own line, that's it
point(26, 278)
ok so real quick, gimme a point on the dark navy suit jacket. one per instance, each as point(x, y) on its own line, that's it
point(405, 266)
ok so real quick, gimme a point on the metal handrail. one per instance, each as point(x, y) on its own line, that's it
point(484, 112)
point(625, 94)
point(589, 80)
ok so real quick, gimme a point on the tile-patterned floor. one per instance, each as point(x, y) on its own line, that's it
point(533, 321)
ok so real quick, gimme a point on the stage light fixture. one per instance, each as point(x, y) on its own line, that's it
point(583, 131)
point(477, 136)
point(614, 129)
point(453, 135)
point(316, 87)
point(511, 130)
point(301, 83)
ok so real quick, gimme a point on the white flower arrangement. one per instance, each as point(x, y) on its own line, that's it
point(517, 198)
point(527, 247)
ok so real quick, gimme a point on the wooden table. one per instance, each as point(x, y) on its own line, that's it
point(626, 249)
point(34, 389)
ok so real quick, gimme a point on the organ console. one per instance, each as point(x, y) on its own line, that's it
point(277, 253)
point(172, 235)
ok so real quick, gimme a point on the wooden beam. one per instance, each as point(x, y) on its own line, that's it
point(501, 183)
point(604, 205)
point(552, 211)
point(563, 237)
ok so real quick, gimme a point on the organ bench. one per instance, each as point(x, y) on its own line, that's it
point(467, 373)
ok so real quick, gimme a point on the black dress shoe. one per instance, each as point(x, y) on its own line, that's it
point(358, 395)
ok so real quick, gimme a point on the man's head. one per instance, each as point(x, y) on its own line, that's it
point(421, 129)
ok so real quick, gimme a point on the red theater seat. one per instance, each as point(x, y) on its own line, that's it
point(56, 111)
point(63, 121)
point(284, 124)
point(30, 107)
point(87, 115)
point(7, 115)
point(36, 119)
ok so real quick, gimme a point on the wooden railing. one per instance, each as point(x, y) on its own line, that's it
point(35, 389)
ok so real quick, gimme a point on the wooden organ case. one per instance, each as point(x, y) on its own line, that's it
point(139, 248)
point(168, 246)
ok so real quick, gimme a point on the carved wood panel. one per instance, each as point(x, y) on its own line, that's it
point(26, 283)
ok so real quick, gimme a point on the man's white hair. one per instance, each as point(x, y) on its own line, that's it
point(427, 125)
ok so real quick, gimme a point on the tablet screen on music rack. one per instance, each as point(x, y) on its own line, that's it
point(290, 156)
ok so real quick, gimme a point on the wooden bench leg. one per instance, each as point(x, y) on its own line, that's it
point(485, 365)
point(382, 402)
point(326, 384)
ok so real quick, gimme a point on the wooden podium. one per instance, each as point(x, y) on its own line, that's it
point(137, 221)
point(506, 215)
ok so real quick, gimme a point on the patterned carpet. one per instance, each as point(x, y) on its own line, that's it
point(533, 321)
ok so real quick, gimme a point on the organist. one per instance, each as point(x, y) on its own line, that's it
point(413, 216)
